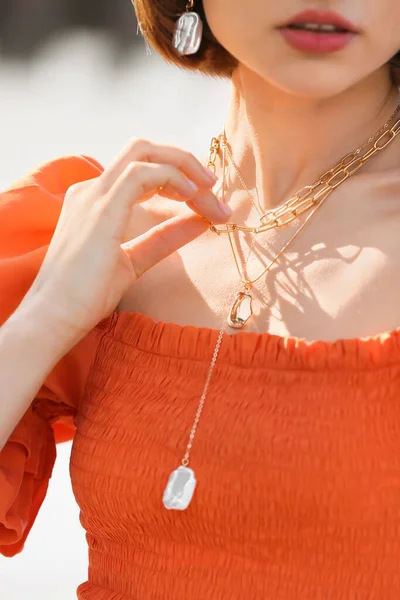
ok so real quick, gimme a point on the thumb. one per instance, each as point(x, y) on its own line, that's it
point(164, 239)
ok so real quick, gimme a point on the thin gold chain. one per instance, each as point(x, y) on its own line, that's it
point(185, 459)
point(249, 282)
point(224, 143)
point(246, 260)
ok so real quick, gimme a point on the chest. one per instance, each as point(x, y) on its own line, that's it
point(281, 454)
point(338, 278)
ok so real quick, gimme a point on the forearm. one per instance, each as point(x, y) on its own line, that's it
point(31, 344)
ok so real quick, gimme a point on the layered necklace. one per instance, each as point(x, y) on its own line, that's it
point(307, 200)
point(182, 481)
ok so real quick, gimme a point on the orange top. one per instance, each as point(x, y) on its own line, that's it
point(297, 454)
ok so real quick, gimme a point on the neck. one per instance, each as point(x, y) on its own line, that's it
point(282, 143)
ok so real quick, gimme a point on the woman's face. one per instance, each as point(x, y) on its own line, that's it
point(251, 31)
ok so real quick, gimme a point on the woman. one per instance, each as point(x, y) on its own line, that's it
point(261, 360)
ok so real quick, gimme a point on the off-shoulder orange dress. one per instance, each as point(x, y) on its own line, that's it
point(297, 455)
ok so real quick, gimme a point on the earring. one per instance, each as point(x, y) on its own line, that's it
point(188, 32)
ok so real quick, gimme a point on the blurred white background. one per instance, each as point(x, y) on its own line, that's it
point(76, 97)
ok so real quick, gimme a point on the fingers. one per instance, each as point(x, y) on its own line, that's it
point(140, 180)
point(148, 249)
point(139, 150)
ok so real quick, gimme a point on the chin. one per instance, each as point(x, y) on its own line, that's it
point(315, 81)
point(313, 90)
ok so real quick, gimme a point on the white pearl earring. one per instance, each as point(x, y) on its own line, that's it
point(188, 32)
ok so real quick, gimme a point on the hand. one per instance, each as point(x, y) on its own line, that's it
point(88, 268)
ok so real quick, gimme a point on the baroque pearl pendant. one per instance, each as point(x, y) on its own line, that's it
point(180, 488)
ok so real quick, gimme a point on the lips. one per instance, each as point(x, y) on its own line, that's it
point(319, 17)
point(318, 32)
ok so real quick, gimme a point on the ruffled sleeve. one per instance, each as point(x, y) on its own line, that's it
point(29, 211)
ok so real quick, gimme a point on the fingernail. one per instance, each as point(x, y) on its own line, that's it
point(210, 175)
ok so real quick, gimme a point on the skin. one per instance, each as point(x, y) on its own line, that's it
point(283, 99)
point(291, 117)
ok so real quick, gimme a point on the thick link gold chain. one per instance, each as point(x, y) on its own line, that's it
point(329, 181)
point(310, 195)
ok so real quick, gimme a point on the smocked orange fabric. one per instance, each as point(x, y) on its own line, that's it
point(297, 455)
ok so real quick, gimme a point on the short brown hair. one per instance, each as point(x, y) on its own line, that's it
point(157, 21)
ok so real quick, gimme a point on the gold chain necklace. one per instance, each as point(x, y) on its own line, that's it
point(242, 310)
point(182, 482)
point(308, 196)
point(223, 142)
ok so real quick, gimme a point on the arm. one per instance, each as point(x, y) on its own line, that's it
point(32, 341)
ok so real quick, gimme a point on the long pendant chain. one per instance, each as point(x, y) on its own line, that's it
point(225, 148)
point(182, 481)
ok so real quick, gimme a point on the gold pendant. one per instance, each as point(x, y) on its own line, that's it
point(241, 310)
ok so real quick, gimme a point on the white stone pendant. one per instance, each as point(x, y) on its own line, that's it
point(180, 488)
point(188, 33)
point(241, 310)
